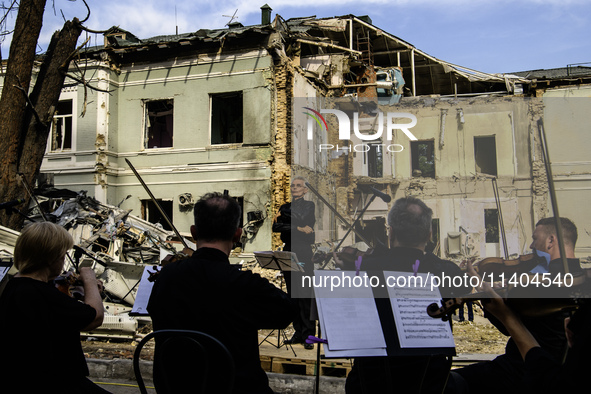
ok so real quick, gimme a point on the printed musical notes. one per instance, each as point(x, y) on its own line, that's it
point(416, 329)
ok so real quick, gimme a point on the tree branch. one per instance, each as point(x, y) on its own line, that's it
point(88, 14)
point(29, 102)
point(93, 31)
point(86, 84)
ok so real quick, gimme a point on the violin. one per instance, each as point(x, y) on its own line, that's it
point(171, 258)
point(152, 276)
point(70, 284)
point(497, 266)
point(529, 302)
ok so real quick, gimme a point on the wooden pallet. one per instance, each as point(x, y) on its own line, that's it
point(328, 367)
point(297, 366)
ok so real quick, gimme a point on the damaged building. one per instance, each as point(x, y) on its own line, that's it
point(221, 109)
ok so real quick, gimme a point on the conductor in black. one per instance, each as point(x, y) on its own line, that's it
point(295, 221)
point(206, 293)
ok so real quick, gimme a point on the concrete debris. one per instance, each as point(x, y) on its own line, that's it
point(116, 244)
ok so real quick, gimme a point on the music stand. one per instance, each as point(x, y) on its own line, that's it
point(282, 261)
point(5, 266)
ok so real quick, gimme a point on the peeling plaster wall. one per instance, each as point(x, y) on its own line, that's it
point(113, 130)
point(460, 192)
point(567, 116)
point(85, 166)
point(459, 195)
point(193, 165)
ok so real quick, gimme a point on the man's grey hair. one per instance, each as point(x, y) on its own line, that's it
point(410, 221)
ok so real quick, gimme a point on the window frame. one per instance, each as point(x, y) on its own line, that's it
point(70, 96)
point(149, 210)
point(476, 145)
point(489, 213)
point(212, 122)
point(414, 147)
point(374, 160)
point(147, 124)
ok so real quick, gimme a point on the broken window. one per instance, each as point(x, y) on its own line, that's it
point(485, 155)
point(491, 225)
point(61, 129)
point(158, 120)
point(374, 158)
point(151, 213)
point(226, 118)
point(423, 158)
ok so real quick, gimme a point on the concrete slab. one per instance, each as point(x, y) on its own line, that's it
point(117, 375)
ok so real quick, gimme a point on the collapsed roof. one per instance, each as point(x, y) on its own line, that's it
point(363, 44)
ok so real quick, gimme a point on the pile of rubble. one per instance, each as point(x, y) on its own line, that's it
point(116, 244)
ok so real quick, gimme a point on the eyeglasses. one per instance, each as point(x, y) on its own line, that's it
point(294, 185)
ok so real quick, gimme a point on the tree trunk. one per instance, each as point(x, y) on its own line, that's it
point(23, 138)
point(13, 102)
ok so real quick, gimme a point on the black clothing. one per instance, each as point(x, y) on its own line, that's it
point(505, 373)
point(543, 374)
point(205, 293)
point(470, 307)
point(41, 349)
point(403, 374)
point(299, 213)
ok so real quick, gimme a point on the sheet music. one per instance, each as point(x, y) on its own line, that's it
point(144, 290)
point(347, 352)
point(349, 319)
point(416, 329)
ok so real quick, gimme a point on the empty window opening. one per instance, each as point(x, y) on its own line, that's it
point(61, 130)
point(485, 155)
point(491, 225)
point(159, 115)
point(151, 213)
point(423, 158)
point(375, 160)
point(226, 118)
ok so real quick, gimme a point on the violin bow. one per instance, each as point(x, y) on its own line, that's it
point(164, 215)
point(552, 192)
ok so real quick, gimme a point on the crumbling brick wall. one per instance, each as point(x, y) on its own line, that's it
point(281, 158)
